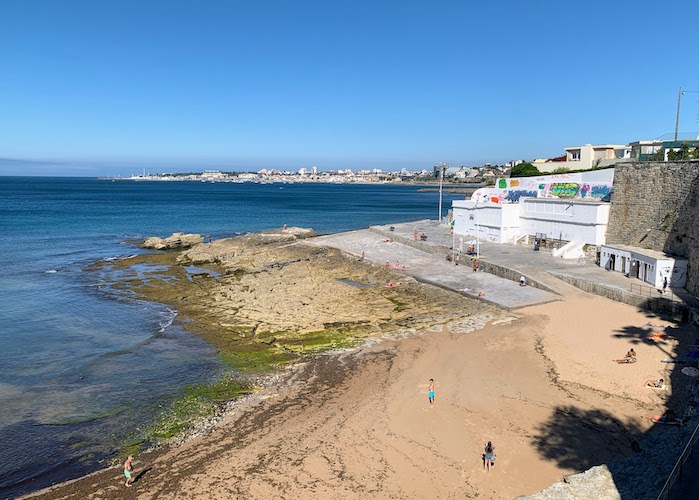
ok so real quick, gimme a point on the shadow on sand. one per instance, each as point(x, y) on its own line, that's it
point(578, 438)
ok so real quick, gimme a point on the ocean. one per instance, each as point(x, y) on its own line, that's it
point(84, 367)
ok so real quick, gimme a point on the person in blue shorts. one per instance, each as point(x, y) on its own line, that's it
point(431, 392)
point(128, 471)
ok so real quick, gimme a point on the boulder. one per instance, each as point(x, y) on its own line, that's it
point(176, 240)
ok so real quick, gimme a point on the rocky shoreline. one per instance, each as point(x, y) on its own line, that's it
point(267, 301)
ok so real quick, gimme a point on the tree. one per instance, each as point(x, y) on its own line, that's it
point(524, 170)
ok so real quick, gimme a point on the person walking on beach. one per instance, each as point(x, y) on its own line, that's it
point(415, 234)
point(431, 395)
point(488, 456)
point(128, 471)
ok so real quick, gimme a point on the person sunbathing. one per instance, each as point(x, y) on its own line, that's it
point(630, 354)
point(669, 418)
point(654, 384)
point(481, 294)
point(625, 360)
point(393, 284)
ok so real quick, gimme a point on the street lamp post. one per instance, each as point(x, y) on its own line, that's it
point(679, 102)
point(677, 117)
point(478, 241)
point(441, 182)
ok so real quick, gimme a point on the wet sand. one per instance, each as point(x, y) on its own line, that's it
point(540, 385)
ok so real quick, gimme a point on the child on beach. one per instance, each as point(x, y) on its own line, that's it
point(488, 457)
point(431, 395)
point(128, 471)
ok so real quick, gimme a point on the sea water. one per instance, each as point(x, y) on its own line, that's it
point(83, 367)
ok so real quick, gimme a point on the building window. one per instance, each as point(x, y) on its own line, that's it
point(574, 155)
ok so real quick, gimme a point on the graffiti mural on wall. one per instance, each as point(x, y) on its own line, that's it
point(596, 184)
point(514, 196)
point(601, 191)
point(564, 189)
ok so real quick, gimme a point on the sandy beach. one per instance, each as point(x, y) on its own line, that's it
point(539, 384)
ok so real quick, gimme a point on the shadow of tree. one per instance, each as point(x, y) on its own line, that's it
point(642, 335)
point(579, 438)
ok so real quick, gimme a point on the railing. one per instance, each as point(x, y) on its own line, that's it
point(677, 469)
point(654, 293)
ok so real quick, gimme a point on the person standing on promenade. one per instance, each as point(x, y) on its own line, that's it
point(431, 395)
point(128, 471)
point(664, 285)
point(488, 456)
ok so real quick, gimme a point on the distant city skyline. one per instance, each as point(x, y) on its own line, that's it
point(109, 88)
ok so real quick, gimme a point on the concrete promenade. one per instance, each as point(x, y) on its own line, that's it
point(549, 276)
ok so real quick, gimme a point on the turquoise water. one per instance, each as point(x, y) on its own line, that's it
point(83, 367)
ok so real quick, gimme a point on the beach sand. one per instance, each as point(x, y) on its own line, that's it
point(539, 384)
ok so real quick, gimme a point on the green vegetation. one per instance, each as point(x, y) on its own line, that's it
point(400, 306)
point(197, 402)
point(524, 170)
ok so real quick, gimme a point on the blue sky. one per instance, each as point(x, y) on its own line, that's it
point(113, 86)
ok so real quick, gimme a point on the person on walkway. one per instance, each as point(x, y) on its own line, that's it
point(431, 395)
point(522, 281)
point(456, 259)
point(664, 285)
point(128, 471)
point(488, 457)
point(475, 265)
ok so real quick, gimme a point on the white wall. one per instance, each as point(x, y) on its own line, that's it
point(487, 221)
point(569, 220)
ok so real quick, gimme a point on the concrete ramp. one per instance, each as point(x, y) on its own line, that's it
point(571, 250)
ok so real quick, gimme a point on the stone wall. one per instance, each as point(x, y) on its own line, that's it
point(655, 205)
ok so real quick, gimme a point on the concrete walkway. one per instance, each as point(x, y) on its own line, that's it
point(433, 268)
point(549, 276)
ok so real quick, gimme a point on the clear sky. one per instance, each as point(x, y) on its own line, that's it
point(112, 86)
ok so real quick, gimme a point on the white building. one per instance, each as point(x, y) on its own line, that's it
point(646, 265)
point(581, 221)
point(586, 157)
point(563, 207)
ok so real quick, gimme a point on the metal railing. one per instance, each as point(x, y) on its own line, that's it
point(677, 469)
point(654, 293)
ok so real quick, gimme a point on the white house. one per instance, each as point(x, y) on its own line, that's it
point(586, 157)
point(647, 265)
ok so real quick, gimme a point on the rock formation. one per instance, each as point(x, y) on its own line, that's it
point(176, 240)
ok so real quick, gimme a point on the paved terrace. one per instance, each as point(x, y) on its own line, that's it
point(550, 277)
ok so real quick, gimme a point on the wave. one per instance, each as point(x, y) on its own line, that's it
point(168, 320)
point(52, 271)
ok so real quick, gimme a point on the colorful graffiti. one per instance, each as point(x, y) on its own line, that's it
point(594, 184)
point(564, 189)
point(514, 196)
point(600, 191)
